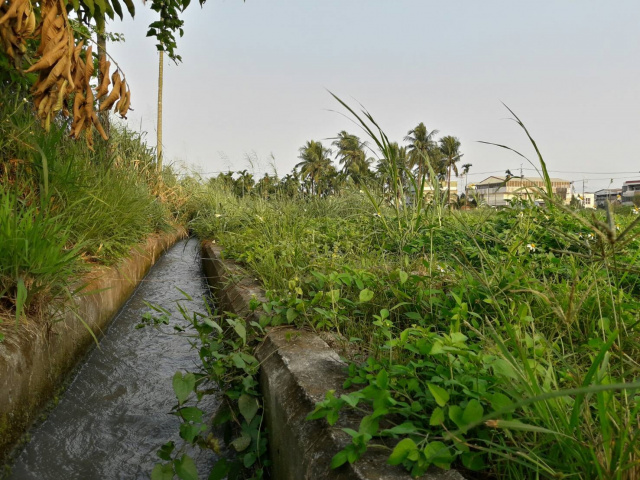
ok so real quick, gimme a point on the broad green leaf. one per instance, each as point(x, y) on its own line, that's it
point(473, 460)
point(473, 412)
point(457, 337)
point(366, 295)
point(249, 459)
point(241, 443)
point(183, 385)
point(241, 331)
point(455, 414)
point(436, 348)
point(437, 417)
point(369, 425)
point(162, 472)
point(248, 407)
point(402, 451)
point(191, 414)
point(438, 453)
point(91, 6)
point(500, 401)
point(212, 324)
point(338, 459)
point(190, 431)
point(504, 368)
point(352, 399)
point(165, 451)
point(291, 315)
point(439, 393)
point(101, 5)
point(402, 429)
point(382, 379)
point(403, 277)
point(334, 295)
point(220, 470)
point(186, 468)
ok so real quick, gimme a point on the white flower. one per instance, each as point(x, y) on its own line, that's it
point(531, 247)
point(377, 215)
point(635, 211)
point(440, 268)
point(590, 236)
point(24, 100)
point(260, 218)
point(217, 215)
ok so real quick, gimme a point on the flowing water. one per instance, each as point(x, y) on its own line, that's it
point(113, 417)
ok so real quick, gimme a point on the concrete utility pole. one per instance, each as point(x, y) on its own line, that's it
point(159, 140)
point(102, 53)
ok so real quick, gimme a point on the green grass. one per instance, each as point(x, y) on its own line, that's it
point(503, 342)
point(64, 206)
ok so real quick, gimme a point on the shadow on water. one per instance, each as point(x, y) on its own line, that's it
point(113, 417)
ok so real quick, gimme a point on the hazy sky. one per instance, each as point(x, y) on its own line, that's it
point(255, 75)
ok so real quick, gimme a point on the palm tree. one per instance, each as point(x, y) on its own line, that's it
point(315, 162)
point(351, 155)
point(392, 171)
point(450, 148)
point(465, 172)
point(422, 148)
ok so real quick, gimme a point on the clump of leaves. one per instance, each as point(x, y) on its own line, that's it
point(225, 345)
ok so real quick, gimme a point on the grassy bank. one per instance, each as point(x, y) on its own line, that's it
point(64, 207)
point(501, 342)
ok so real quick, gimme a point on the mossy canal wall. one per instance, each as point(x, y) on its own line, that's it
point(297, 369)
point(36, 359)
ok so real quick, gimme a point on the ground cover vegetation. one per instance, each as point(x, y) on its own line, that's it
point(501, 342)
point(65, 206)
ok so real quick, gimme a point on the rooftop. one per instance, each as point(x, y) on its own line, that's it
point(492, 180)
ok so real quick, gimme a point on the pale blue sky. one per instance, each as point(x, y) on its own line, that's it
point(254, 78)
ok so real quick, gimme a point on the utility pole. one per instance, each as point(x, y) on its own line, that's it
point(159, 139)
point(102, 53)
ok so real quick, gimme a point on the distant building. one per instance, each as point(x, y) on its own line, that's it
point(429, 190)
point(611, 194)
point(499, 191)
point(588, 200)
point(631, 192)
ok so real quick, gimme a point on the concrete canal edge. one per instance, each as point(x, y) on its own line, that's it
point(35, 361)
point(297, 369)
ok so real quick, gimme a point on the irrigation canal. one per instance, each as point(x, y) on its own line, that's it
point(113, 417)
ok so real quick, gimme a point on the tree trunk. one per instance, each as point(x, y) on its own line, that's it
point(159, 140)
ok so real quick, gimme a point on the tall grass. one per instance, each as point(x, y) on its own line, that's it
point(64, 205)
point(527, 319)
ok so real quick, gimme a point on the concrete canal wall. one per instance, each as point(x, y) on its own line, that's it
point(35, 359)
point(297, 369)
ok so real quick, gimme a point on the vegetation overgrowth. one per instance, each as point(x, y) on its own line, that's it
point(503, 342)
point(64, 206)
